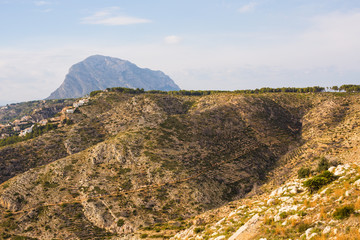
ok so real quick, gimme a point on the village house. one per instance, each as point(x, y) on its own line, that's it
point(71, 110)
point(66, 110)
point(80, 102)
point(16, 129)
point(26, 131)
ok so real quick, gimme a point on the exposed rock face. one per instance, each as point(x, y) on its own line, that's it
point(100, 72)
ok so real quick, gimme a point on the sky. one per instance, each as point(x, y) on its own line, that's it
point(200, 44)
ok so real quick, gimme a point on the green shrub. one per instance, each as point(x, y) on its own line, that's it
point(144, 235)
point(343, 212)
point(67, 121)
point(94, 93)
point(304, 172)
point(317, 182)
point(323, 165)
point(198, 229)
point(284, 215)
point(121, 222)
point(302, 227)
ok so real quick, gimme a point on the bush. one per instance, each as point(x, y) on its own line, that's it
point(304, 172)
point(317, 182)
point(343, 212)
point(120, 223)
point(302, 227)
point(94, 93)
point(323, 165)
point(199, 229)
point(67, 121)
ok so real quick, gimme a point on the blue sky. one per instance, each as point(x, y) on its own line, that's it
point(212, 44)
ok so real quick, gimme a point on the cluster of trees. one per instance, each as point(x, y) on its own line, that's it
point(315, 89)
point(126, 90)
point(194, 92)
point(37, 131)
point(283, 89)
point(119, 89)
point(347, 88)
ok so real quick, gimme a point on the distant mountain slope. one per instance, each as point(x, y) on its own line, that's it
point(101, 72)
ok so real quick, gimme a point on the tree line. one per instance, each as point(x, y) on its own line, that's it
point(315, 89)
point(347, 88)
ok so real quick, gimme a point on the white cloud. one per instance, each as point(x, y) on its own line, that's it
point(172, 39)
point(41, 3)
point(110, 17)
point(248, 7)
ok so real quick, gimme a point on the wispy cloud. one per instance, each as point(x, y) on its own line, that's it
point(111, 17)
point(172, 39)
point(41, 3)
point(248, 7)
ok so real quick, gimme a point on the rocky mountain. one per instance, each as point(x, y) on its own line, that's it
point(159, 166)
point(100, 72)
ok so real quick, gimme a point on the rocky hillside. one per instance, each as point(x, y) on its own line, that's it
point(317, 205)
point(290, 211)
point(135, 166)
point(100, 72)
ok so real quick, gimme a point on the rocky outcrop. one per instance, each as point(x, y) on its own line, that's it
point(100, 72)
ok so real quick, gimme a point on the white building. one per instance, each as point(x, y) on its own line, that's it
point(80, 102)
point(26, 131)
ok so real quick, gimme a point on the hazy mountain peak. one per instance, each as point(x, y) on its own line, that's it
point(99, 72)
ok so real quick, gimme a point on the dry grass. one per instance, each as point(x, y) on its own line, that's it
point(321, 237)
point(307, 203)
point(280, 231)
point(353, 234)
point(323, 213)
point(357, 204)
point(313, 204)
point(339, 192)
point(294, 222)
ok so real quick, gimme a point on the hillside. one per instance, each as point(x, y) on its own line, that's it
point(144, 165)
point(99, 72)
point(38, 110)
